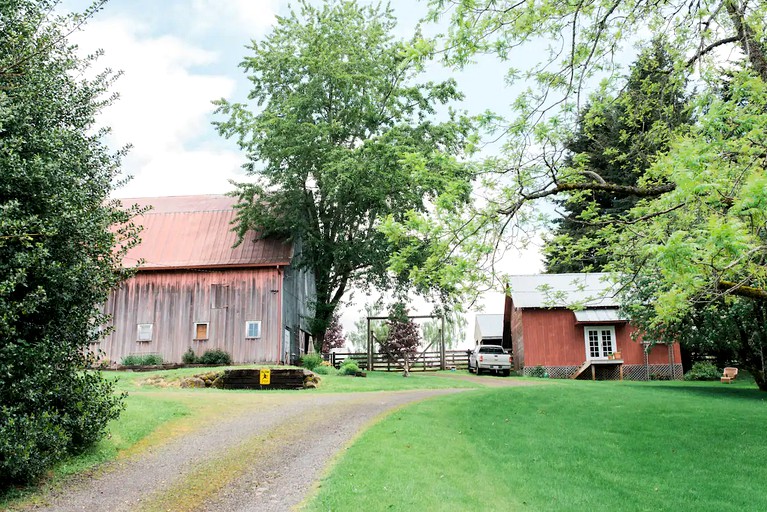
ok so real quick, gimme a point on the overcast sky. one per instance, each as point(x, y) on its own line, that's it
point(179, 55)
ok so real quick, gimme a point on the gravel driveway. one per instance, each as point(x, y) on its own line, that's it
point(280, 446)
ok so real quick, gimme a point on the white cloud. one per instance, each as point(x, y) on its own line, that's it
point(250, 16)
point(163, 111)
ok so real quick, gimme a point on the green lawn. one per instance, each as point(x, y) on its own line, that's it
point(565, 446)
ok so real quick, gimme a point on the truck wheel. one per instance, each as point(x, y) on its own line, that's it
point(478, 370)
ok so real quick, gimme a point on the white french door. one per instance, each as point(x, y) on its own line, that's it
point(600, 341)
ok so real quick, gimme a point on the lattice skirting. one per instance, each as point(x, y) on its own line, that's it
point(630, 372)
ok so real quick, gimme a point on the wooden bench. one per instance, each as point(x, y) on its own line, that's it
point(729, 375)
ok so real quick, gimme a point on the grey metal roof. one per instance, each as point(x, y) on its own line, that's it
point(563, 290)
point(488, 326)
point(595, 316)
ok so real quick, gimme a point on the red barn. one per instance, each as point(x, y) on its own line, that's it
point(193, 289)
point(570, 326)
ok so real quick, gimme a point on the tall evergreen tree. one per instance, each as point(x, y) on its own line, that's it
point(617, 140)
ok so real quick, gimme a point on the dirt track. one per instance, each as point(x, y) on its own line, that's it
point(289, 439)
point(265, 458)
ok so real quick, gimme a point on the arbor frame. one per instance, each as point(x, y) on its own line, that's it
point(442, 362)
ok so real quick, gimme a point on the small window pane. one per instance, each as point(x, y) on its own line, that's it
point(253, 329)
point(144, 332)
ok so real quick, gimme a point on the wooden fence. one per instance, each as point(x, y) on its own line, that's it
point(423, 361)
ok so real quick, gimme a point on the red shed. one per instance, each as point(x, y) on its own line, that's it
point(193, 289)
point(570, 325)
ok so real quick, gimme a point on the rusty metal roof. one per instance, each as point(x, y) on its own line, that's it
point(196, 232)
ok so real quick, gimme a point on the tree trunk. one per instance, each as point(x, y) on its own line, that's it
point(749, 43)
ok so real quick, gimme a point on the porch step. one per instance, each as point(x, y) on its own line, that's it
point(585, 366)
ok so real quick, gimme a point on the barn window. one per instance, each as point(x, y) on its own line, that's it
point(144, 332)
point(600, 341)
point(253, 329)
point(201, 331)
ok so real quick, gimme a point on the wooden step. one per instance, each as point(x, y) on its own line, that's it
point(585, 366)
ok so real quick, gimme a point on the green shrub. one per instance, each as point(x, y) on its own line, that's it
point(703, 370)
point(348, 367)
point(142, 360)
point(215, 356)
point(311, 361)
point(29, 444)
point(131, 360)
point(189, 357)
point(323, 369)
point(538, 371)
point(151, 360)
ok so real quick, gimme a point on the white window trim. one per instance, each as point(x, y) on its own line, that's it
point(194, 331)
point(247, 329)
point(144, 338)
point(588, 328)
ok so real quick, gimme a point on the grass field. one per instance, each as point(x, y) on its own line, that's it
point(565, 446)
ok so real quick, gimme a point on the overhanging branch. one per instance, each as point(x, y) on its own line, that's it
point(626, 190)
point(742, 290)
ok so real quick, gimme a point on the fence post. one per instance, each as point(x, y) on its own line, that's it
point(442, 362)
point(333, 359)
point(370, 348)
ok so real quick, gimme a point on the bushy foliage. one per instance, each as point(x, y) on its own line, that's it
point(334, 336)
point(215, 356)
point(142, 360)
point(703, 370)
point(58, 233)
point(538, 371)
point(311, 361)
point(323, 369)
point(189, 357)
point(348, 367)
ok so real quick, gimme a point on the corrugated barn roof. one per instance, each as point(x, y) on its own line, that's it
point(587, 290)
point(196, 232)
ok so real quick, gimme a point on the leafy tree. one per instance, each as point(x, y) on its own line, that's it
point(455, 325)
point(334, 337)
point(359, 336)
point(617, 139)
point(57, 252)
point(343, 136)
point(704, 242)
point(403, 339)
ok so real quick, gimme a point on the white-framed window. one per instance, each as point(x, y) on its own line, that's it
point(144, 332)
point(253, 329)
point(600, 341)
point(200, 331)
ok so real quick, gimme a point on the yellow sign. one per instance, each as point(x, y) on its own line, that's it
point(266, 376)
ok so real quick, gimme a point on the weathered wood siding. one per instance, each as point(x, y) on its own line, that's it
point(173, 301)
point(550, 337)
point(298, 309)
point(517, 338)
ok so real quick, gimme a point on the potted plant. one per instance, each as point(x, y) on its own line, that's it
point(617, 355)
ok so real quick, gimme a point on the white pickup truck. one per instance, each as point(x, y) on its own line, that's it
point(491, 358)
